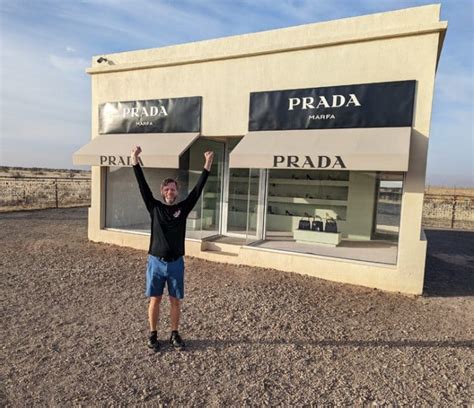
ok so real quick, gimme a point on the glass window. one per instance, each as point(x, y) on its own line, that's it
point(124, 207)
point(243, 200)
point(389, 204)
point(352, 215)
point(205, 219)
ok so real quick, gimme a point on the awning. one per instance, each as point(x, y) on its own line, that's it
point(158, 149)
point(379, 149)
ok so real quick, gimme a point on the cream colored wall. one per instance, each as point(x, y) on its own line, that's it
point(401, 45)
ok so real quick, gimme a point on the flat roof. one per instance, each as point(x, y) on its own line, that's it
point(404, 22)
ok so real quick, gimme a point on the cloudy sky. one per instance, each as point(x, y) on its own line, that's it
point(45, 46)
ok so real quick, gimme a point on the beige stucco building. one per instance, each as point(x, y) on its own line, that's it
point(327, 123)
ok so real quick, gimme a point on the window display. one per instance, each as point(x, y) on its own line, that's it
point(124, 208)
point(345, 214)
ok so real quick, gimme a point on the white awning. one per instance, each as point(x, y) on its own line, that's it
point(158, 149)
point(371, 149)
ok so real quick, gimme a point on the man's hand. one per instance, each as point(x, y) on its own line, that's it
point(134, 154)
point(209, 156)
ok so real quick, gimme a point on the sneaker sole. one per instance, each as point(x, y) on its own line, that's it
point(154, 348)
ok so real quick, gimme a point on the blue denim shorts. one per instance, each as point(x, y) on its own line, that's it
point(159, 273)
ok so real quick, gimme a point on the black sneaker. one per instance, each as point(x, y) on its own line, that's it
point(176, 341)
point(153, 342)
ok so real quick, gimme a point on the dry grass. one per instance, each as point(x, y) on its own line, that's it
point(42, 172)
point(449, 191)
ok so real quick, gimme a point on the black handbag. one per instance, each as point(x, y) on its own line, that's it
point(304, 224)
point(317, 225)
point(331, 225)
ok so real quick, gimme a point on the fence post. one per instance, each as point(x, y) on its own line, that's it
point(453, 214)
point(56, 190)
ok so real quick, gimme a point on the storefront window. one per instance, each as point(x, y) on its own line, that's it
point(124, 207)
point(243, 202)
point(205, 219)
point(389, 203)
point(352, 215)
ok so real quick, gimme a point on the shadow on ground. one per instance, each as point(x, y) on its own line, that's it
point(449, 263)
point(193, 345)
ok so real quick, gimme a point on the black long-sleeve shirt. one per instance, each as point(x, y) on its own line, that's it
point(168, 222)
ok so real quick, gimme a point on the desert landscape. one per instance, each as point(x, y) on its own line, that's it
point(74, 329)
point(34, 188)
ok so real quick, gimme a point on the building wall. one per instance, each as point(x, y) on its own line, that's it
point(394, 46)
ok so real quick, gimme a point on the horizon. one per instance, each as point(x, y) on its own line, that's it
point(89, 170)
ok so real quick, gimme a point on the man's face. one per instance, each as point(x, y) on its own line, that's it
point(169, 193)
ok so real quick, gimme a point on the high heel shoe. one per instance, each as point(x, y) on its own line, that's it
point(288, 213)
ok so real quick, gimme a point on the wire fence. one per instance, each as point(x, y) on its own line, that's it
point(21, 193)
point(448, 211)
point(28, 193)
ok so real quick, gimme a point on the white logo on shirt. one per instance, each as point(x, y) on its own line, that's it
point(176, 213)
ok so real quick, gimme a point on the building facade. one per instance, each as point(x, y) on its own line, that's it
point(320, 134)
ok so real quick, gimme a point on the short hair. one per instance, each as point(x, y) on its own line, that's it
point(167, 181)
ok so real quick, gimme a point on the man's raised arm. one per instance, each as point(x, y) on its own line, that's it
point(142, 184)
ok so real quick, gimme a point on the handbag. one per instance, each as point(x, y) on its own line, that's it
point(304, 224)
point(317, 225)
point(331, 225)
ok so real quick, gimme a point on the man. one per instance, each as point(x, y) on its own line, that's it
point(165, 255)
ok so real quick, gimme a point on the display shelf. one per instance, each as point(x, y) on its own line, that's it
point(279, 199)
point(235, 179)
point(303, 182)
point(280, 222)
point(298, 200)
point(322, 213)
point(233, 196)
point(326, 198)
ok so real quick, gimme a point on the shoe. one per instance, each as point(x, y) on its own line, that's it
point(176, 341)
point(153, 342)
point(308, 177)
point(288, 213)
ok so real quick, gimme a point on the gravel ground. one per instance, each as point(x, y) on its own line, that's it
point(74, 329)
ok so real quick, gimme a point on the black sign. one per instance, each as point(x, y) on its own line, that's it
point(387, 104)
point(151, 116)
